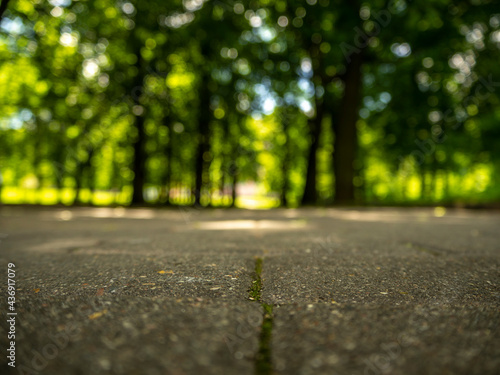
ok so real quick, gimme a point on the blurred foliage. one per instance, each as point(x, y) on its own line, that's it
point(255, 104)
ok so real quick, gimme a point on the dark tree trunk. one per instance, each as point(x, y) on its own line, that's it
point(233, 189)
point(203, 140)
point(139, 162)
point(310, 196)
point(423, 182)
point(168, 173)
point(3, 7)
point(91, 180)
point(345, 142)
point(225, 140)
point(37, 155)
point(138, 165)
point(59, 158)
point(446, 187)
point(432, 184)
point(235, 153)
point(286, 160)
point(78, 183)
point(84, 173)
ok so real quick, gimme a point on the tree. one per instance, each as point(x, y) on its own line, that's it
point(3, 7)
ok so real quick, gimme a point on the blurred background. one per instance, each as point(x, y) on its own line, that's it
point(255, 104)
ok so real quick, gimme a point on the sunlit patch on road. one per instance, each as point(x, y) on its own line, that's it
point(250, 224)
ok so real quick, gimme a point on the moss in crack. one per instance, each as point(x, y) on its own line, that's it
point(254, 293)
point(263, 360)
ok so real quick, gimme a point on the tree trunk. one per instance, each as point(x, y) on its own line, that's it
point(225, 140)
point(423, 184)
point(38, 156)
point(345, 142)
point(139, 161)
point(84, 177)
point(3, 8)
point(234, 140)
point(446, 182)
point(432, 185)
point(286, 160)
point(138, 165)
point(310, 196)
point(78, 183)
point(203, 140)
point(233, 190)
point(168, 173)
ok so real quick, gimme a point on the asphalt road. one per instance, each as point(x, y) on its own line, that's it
point(352, 291)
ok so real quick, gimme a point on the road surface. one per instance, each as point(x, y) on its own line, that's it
point(308, 291)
